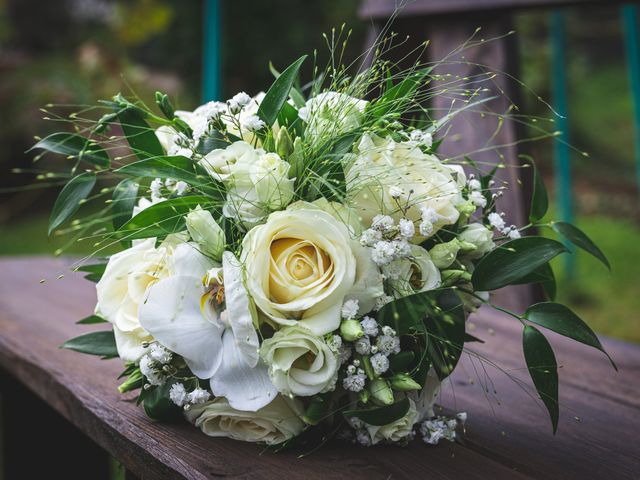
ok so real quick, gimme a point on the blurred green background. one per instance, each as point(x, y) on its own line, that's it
point(78, 51)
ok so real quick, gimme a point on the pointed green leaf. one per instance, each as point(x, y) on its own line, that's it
point(124, 199)
point(70, 199)
point(562, 320)
point(544, 276)
point(158, 405)
point(580, 240)
point(91, 320)
point(512, 261)
point(142, 138)
point(539, 199)
point(319, 409)
point(95, 343)
point(542, 366)
point(73, 145)
point(278, 93)
point(381, 415)
point(163, 218)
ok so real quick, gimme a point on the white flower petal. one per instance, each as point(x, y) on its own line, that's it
point(239, 309)
point(172, 314)
point(188, 261)
point(246, 388)
point(129, 343)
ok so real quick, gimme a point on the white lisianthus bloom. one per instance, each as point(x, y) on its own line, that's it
point(300, 363)
point(395, 431)
point(416, 273)
point(383, 167)
point(480, 236)
point(206, 232)
point(122, 289)
point(301, 266)
point(274, 423)
point(257, 182)
point(332, 113)
point(218, 342)
point(221, 162)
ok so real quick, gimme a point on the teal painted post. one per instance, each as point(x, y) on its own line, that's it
point(211, 80)
point(561, 152)
point(630, 20)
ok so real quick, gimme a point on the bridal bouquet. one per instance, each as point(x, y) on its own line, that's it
point(301, 263)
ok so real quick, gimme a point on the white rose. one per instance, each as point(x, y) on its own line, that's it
point(123, 287)
point(395, 431)
point(480, 236)
point(300, 363)
point(275, 423)
point(339, 211)
point(384, 167)
point(332, 113)
point(300, 266)
point(206, 232)
point(414, 274)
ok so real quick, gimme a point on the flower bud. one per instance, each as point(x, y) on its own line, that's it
point(466, 209)
point(452, 277)
point(351, 330)
point(363, 396)
point(444, 254)
point(480, 236)
point(284, 144)
point(206, 232)
point(404, 383)
point(381, 391)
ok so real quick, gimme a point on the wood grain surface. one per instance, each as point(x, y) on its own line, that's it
point(508, 433)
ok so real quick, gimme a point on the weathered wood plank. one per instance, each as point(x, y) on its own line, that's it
point(35, 318)
point(383, 9)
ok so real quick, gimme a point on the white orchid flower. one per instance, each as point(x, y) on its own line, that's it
point(210, 324)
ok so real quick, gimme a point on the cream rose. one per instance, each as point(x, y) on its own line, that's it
point(414, 274)
point(300, 267)
point(122, 289)
point(398, 179)
point(300, 363)
point(275, 423)
point(395, 431)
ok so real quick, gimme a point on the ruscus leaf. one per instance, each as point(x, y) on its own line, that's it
point(278, 93)
point(101, 343)
point(70, 198)
point(580, 240)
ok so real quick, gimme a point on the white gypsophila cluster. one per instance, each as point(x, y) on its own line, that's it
point(198, 396)
point(344, 353)
point(350, 309)
point(363, 346)
point(496, 220)
point(238, 102)
point(178, 394)
point(439, 428)
point(428, 216)
point(382, 301)
point(369, 326)
point(152, 364)
point(387, 240)
point(355, 382)
point(379, 363)
point(421, 137)
point(253, 123)
point(172, 187)
point(335, 343)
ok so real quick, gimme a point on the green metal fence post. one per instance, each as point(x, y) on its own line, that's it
point(630, 21)
point(562, 158)
point(211, 81)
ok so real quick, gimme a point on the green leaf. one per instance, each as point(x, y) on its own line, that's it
point(158, 405)
point(405, 315)
point(562, 320)
point(545, 277)
point(542, 366)
point(175, 167)
point(124, 199)
point(580, 240)
point(539, 199)
point(142, 138)
point(381, 415)
point(76, 146)
point(94, 343)
point(512, 261)
point(397, 97)
point(91, 320)
point(164, 104)
point(468, 338)
point(70, 198)
point(319, 408)
point(278, 93)
point(401, 362)
point(163, 218)
point(211, 142)
point(445, 324)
